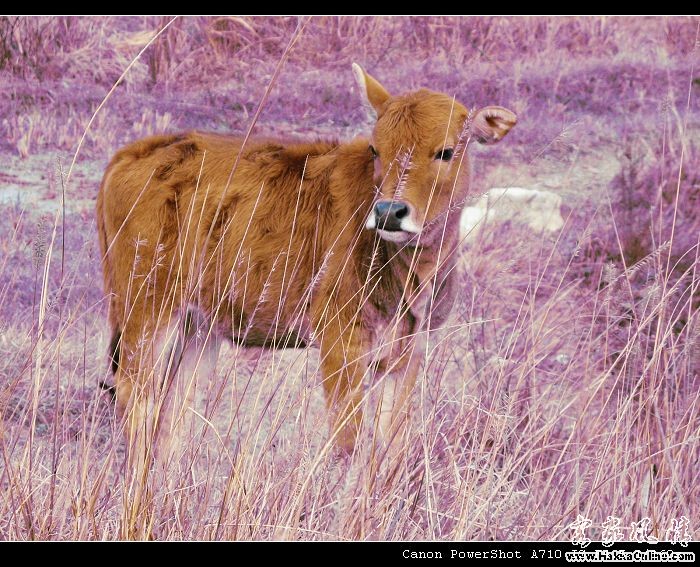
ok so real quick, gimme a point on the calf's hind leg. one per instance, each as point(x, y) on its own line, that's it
point(136, 397)
point(192, 361)
point(156, 389)
point(142, 364)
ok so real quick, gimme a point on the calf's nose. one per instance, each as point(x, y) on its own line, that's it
point(389, 214)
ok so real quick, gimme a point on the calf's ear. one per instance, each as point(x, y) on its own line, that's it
point(491, 123)
point(374, 94)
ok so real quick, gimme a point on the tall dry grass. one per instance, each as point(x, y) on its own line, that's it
point(565, 383)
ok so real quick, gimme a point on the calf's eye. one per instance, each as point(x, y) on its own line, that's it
point(374, 153)
point(445, 155)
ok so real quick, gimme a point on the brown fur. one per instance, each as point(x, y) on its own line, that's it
point(268, 243)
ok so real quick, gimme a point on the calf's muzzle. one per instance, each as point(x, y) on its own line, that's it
point(389, 214)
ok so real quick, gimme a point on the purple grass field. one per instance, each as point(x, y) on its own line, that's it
point(566, 382)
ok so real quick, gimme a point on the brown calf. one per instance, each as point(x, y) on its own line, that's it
point(347, 246)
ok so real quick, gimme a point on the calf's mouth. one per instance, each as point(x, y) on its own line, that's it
point(393, 220)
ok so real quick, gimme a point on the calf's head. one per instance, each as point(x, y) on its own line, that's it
point(419, 146)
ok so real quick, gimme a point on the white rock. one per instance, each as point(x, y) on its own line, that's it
point(540, 210)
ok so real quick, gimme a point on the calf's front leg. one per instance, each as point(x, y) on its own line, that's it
point(344, 362)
